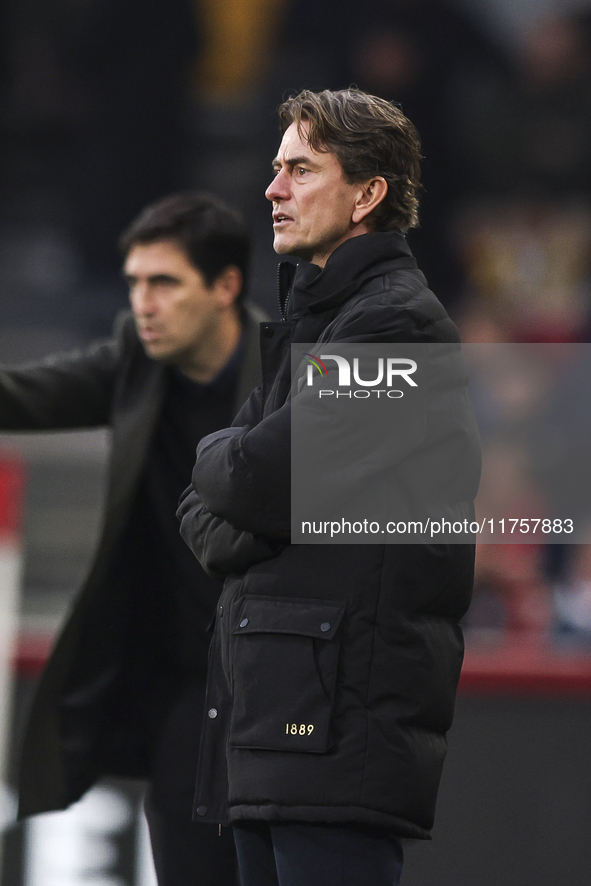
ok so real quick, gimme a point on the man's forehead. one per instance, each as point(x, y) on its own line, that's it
point(294, 146)
point(155, 255)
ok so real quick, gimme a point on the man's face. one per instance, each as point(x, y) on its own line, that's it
point(175, 311)
point(312, 203)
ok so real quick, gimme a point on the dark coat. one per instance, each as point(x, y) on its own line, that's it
point(112, 383)
point(334, 668)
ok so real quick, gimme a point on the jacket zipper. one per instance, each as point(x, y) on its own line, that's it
point(283, 305)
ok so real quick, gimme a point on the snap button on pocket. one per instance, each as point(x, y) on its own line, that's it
point(212, 713)
point(244, 622)
point(201, 810)
point(325, 626)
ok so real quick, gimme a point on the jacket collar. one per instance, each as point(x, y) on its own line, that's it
point(307, 288)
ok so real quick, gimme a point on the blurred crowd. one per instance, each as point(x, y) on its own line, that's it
point(106, 105)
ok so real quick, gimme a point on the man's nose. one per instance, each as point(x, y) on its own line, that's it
point(141, 302)
point(279, 188)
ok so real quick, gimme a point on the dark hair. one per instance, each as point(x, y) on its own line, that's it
point(369, 136)
point(210, 233)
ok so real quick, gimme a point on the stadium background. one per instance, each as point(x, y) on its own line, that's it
point(108, 104)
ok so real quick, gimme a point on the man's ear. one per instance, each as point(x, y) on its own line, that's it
point(228, 285)
point(371, 194)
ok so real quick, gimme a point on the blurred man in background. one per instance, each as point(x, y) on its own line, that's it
point(123, 691)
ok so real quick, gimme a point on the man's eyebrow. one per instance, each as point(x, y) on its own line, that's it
point(293, 161)
point(153, 278)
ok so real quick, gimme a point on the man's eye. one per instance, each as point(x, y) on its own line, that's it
point(301, 170)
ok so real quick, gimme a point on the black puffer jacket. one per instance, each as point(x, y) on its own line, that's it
point(333, 669)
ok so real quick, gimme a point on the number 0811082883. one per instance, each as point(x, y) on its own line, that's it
point(302, 729)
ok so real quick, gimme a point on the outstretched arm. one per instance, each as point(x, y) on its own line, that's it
point(69, 390)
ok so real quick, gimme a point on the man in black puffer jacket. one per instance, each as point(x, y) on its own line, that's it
point(358, 644)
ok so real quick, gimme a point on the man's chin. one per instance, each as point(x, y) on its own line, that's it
point(285, 246)
point(158, 352)
point(282, 246)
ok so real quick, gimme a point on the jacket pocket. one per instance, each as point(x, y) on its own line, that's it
point(285, 658)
